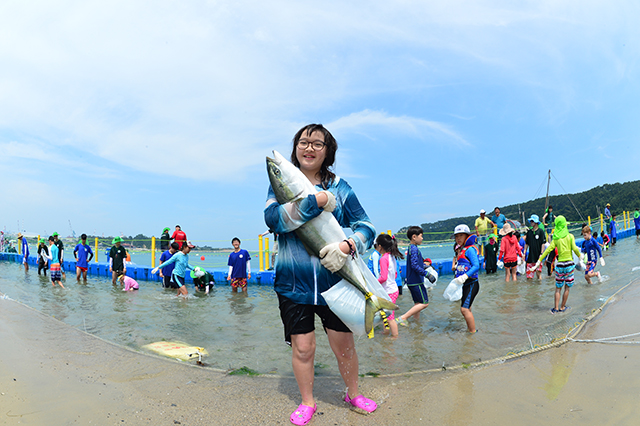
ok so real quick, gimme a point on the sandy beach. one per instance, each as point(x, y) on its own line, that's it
point(53, 374)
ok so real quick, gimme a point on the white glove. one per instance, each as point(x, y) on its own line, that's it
point(461, 279)
point(602, 261)
point(534, 267)
point(155, 270)
point(332, 257)
point(331, 202)
point(500, 264)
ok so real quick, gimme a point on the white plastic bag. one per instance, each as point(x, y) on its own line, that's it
point(522, 268)
point(348, 303)
point(453, 292)
point(578, 262)
point(500, 264)
point(432, 272)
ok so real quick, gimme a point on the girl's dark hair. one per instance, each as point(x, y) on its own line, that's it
point(389, 244)
point(330, 146)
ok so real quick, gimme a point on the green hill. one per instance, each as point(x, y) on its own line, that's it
point(621, 196)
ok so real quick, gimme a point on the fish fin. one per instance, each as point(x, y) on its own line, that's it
point(386, 304)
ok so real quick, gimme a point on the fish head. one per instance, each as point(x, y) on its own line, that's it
point(287, 181)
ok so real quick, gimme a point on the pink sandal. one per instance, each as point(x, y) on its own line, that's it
point(303, 414)
point(361, 404)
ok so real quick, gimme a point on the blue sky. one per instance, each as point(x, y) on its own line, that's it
point(125, 117)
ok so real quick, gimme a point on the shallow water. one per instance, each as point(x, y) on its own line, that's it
point(246, 331)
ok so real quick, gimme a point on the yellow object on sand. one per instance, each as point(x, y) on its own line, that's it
point(176, 350)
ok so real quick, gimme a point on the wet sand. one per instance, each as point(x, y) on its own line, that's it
point(53, 374)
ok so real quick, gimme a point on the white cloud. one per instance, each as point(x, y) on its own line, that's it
point(415, 127)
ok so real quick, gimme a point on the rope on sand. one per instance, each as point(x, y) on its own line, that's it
point(607, 339)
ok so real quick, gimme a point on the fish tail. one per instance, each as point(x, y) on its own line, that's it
point(375, 304)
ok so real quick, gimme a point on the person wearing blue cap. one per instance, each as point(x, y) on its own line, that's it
point(534, 240)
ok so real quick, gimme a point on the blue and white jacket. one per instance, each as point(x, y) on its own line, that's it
point(301, 277)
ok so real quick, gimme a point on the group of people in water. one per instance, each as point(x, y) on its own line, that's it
point(174, 263)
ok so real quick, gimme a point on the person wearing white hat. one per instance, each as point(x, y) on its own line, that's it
point(482, 230)
point(510, 252)
point(467, 266)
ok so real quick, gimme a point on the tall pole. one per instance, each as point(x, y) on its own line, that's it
point(546, 201)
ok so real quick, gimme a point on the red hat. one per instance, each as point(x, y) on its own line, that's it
point(428, 260)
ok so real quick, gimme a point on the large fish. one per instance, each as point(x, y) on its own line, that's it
point(290, 184)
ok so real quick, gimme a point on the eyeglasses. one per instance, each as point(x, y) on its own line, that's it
point(315, 145)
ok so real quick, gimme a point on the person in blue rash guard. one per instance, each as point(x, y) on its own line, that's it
point(592, 249)
point(167, 272)
point(636, 222)
point(25, 251)
point(614, 230)
point(82, 260)
point(301, 278)
point(181, 260)
point(498, 218)
point(467, 267)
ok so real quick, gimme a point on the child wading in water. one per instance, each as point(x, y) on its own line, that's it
point(415, 275)
point(591, 247)
point(565, 243)
point(54, 257)
point(466, 271)
point(389, 253)
point(510, 252)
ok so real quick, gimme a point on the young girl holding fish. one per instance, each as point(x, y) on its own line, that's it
point(301, 278)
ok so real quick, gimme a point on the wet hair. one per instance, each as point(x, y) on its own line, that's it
point(236, 239)
point(414, 230)
point(83, 236)
point(175, 246)
point(330, 146)
point(389, 244)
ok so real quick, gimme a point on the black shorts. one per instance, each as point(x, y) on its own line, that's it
point(167, 283)
point(510, 264)
point(300, 319)
point(637, 232)
point(176, 281)
point(469, 292)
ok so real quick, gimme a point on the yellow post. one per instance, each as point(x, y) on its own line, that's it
point(589, 219)
point(96, 250)
point(601, 222)
point(20, 246)
point(624, 220)
point(260, 253)
point(628, 220)
point(389, 232)
point(266, 253)
point(153, 252)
